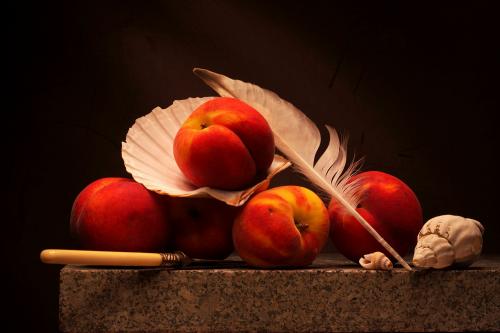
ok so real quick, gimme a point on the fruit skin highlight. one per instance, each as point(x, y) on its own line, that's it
point(389, 206)
point(283, 226)
point(224, 144)
point(119, 214)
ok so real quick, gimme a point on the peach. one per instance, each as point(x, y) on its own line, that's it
point(389, 206)
point(83, 196)
point(224, 144)
point(202, 227)
point(118, 214)
point(283, 226)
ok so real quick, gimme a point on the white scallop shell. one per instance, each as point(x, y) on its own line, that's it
point(148, 155)
point(376, 260)
point(447, 240)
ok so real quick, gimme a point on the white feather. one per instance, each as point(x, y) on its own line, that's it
point(298, 138)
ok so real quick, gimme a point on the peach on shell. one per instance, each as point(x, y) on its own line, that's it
point(224, 144)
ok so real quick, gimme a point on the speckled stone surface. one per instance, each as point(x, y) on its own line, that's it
point(331, 295)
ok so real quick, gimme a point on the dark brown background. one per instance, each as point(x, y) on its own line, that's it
point(415, 87)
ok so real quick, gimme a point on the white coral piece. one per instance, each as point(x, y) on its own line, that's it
point(376, 260)
point(447, 240)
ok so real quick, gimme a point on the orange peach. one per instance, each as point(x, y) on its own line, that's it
point(389, 206)
point(224, 144)
point(118, 214)
point(283, 226)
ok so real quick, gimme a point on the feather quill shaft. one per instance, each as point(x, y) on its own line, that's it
point(298, 138)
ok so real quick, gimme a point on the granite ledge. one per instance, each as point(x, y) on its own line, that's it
point(331, 295)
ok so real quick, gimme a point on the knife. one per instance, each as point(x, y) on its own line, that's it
point(112, 258)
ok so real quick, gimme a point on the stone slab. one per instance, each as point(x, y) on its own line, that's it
point(331, 295)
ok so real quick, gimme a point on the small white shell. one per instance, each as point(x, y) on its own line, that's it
point(376, 260)
point(447, 240)
point(148, 156)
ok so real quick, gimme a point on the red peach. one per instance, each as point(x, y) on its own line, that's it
point(83, 196)
point(389, 206)
point(224, 144)
point(118, 214)
point(202, 227)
